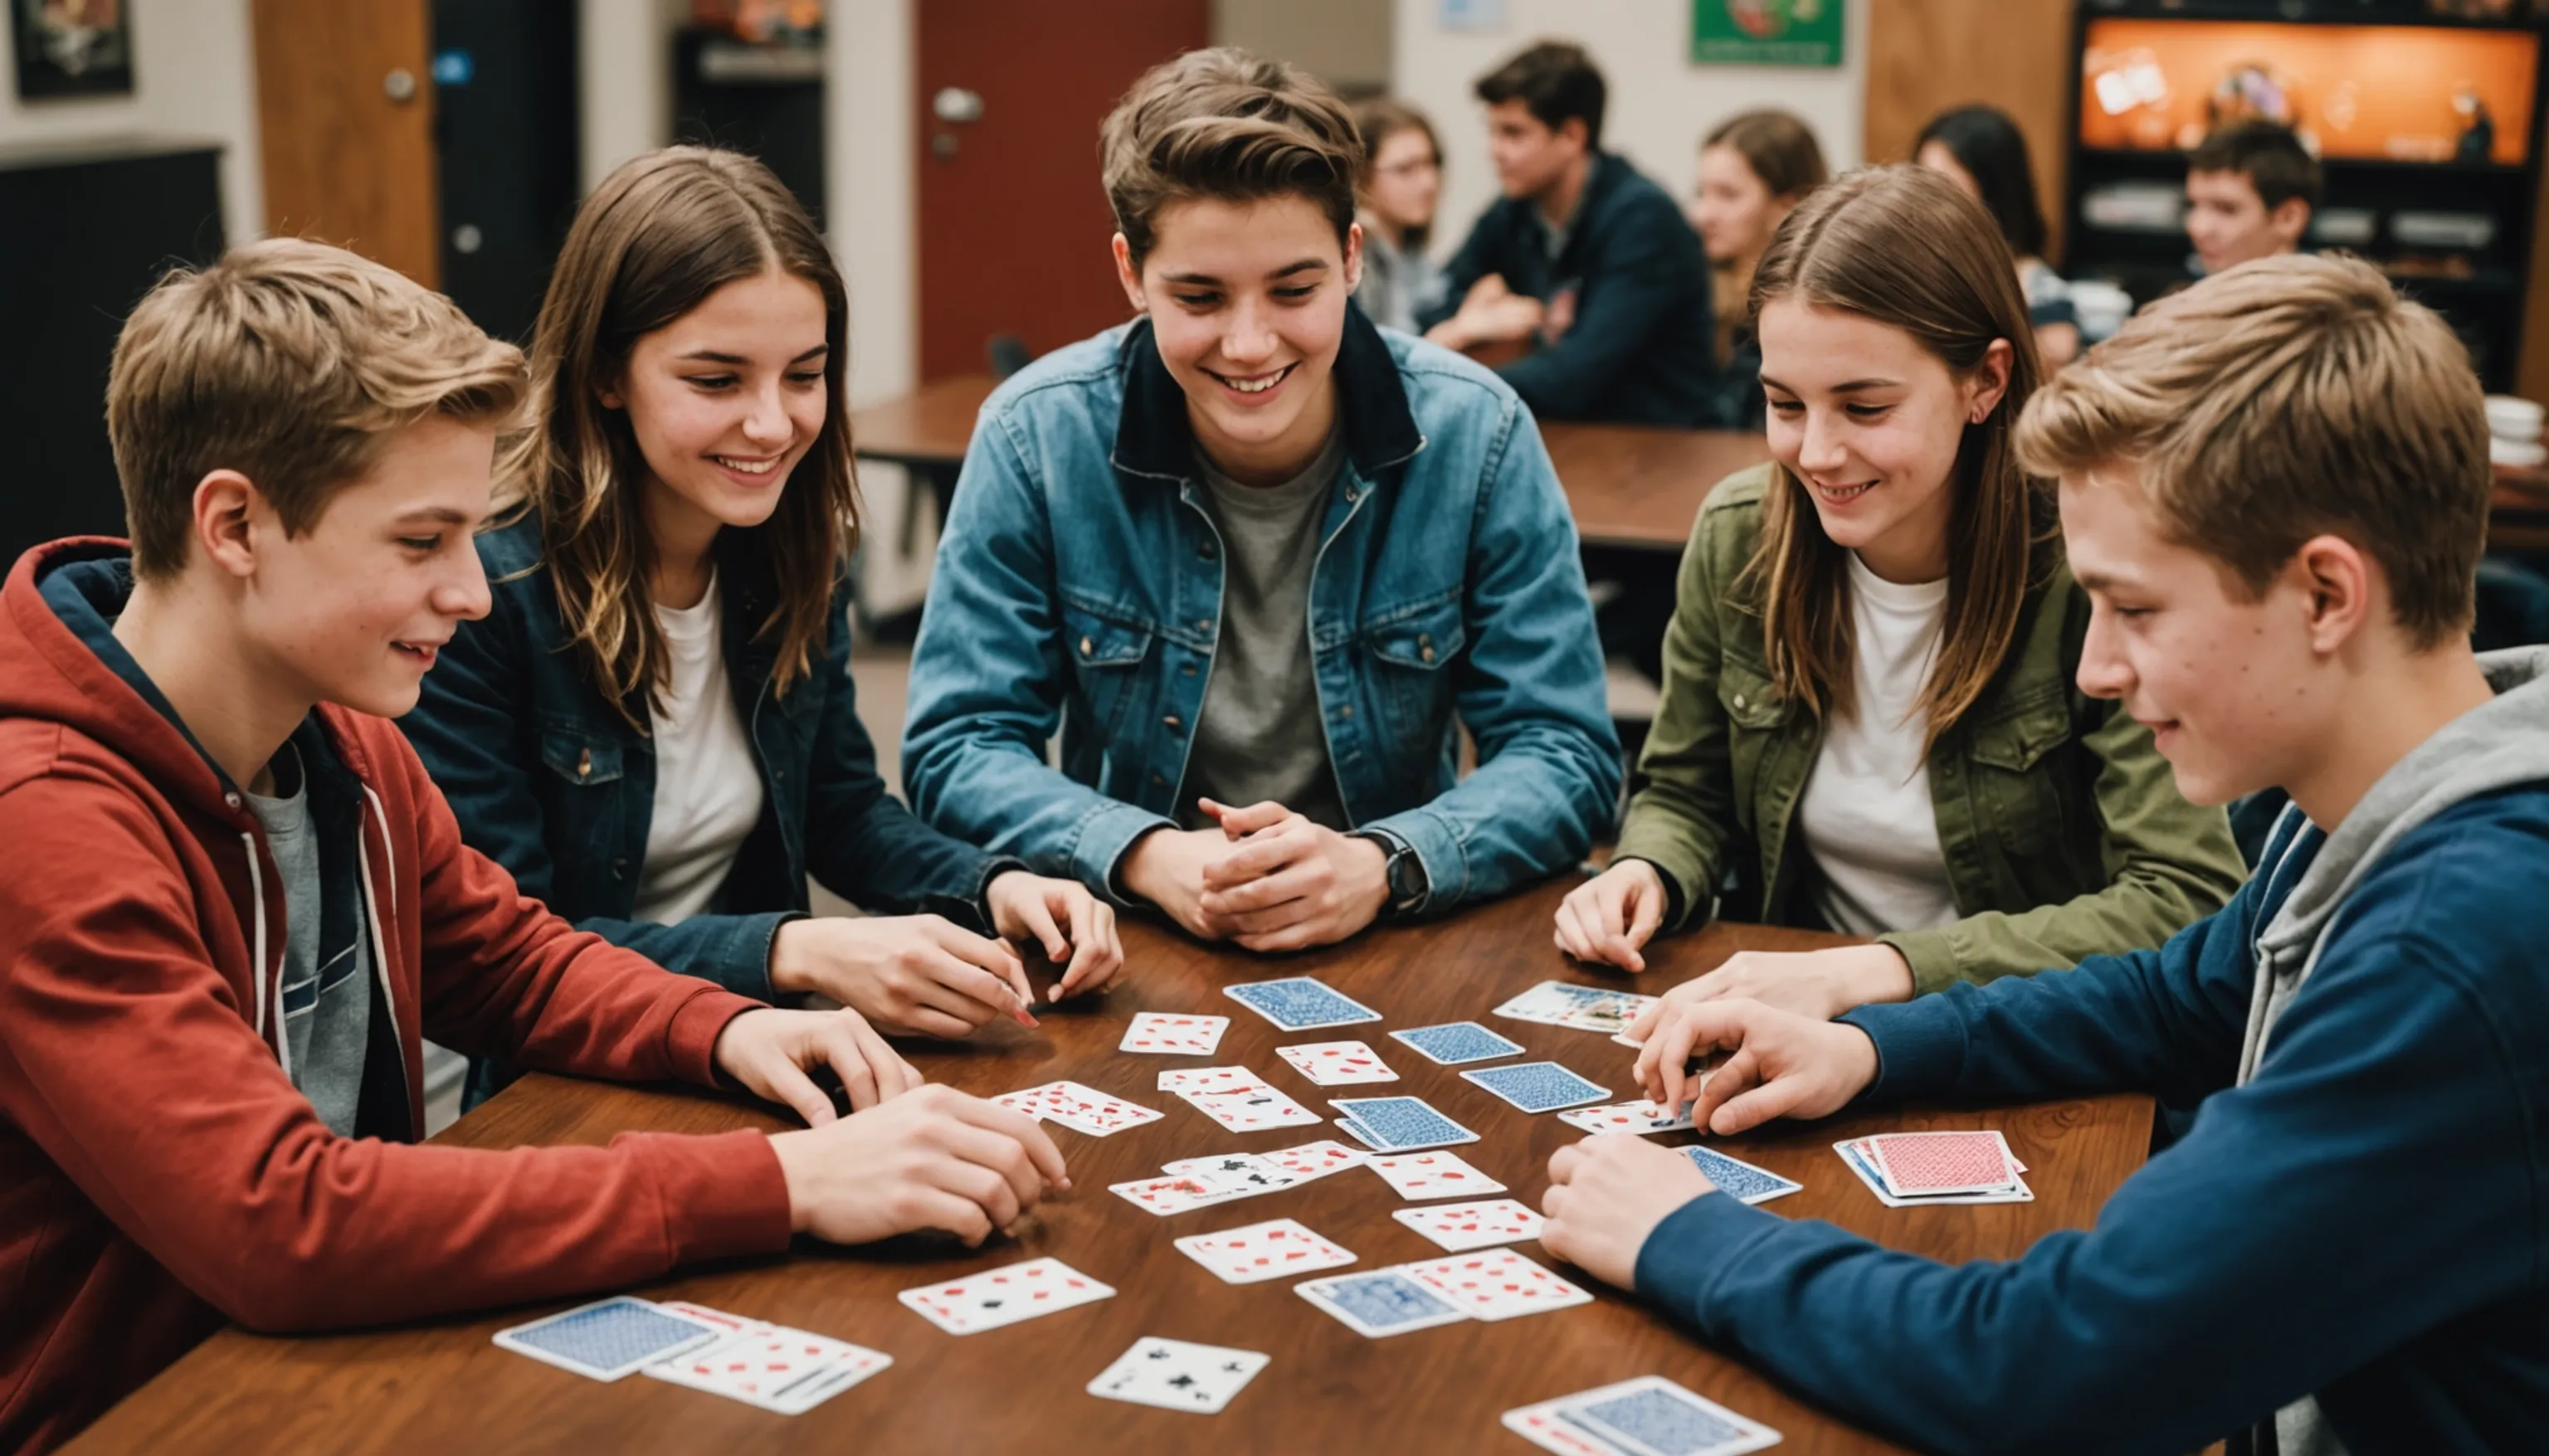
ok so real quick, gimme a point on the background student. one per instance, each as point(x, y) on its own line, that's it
point(1254, 557)
point(1582, 261)
point(653, 728)
point(1402, 180)
point(1755, 167)
point(1980, 149)
point(2250, 190)
point(1868, 702)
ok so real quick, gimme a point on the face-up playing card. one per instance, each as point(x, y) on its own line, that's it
point(1300, 1003)
point(1421, 1175)
point(1335, 1064)
point(1179, 1376)
point(1461, 1226)
point(790, 1371)
point(1457, 1042)
point(1739, 1179)
point(1317, 1159)
point(1004, 1296)
point(1914, 1163)
point(1497, 1284)
point(1175, 1192)
point(1382, 1303)
point(1249, 1109)
point(1640, 1116)
point(1275, 1250)
point(1208, 1078)
point(1583, 1008)
point(1538, 1086)
point(730, 1323)
point(1251, 1172)
point(1173, 1036)
point(1646, 1416)
point(1082, 1109)
point(609, 1339)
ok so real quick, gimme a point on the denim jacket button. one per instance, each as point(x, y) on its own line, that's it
point(1203, 624)
point(1425, 646)
point(584, 764)
point(1171, 721)
point(1086, 647)
point(1346, 712)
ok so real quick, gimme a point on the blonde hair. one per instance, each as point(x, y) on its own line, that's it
point(650, 245)
point(1226, 124)
point(1904, 247)
point(2285, 398)
point(292, 363)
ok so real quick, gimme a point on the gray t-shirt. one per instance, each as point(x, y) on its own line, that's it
point(1259, 736)
point(327, 1009)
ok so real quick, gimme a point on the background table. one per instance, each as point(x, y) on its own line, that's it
point(442, 1387)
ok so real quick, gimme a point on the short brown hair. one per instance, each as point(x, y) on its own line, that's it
point(292, 363)
point(1230, 125)
point(2269, 155)
point(1556, 82)
point(2285, 398)
point(1777, 146)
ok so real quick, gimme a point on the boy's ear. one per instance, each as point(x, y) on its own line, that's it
point(1127, 275)
point(2290, 220)
point(225, 502)
point(1354, 256)
point(1575, 127)
point(2340, 583)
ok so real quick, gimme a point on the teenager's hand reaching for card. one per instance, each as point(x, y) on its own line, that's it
point(1606, 1195)
point(1818, 983)
point(772, 1054)
point(907, 973)
point(1063, 917)
point(1777, 1064)
point(1287, 883)
point(934, 1160)
point(1608, 918)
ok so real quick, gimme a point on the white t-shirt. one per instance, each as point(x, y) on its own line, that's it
point(1865, 813)
point(708, 789)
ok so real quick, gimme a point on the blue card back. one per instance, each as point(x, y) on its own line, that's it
point(1738, 1178)
point(1457, 1042)
point(1300, 1003)
point(1539, 1086)
point(1401, 1124)
point(1658, 1422)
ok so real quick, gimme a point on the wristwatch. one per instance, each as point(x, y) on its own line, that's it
point(1408, 883)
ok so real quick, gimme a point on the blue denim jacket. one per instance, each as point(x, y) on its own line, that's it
point(1080, 582)
point(549, 781)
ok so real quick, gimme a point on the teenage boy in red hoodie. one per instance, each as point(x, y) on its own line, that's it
point(232, 903)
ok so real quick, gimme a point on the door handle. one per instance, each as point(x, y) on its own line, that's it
point(956, 106)
point(400, 85)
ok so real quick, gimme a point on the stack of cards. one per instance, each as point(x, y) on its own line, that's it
point(1538, 1086)
point(1453, 1043)
point(1173, 1036)
point(1421, 1175)
point(1300, 1003)
point(1585, 1008)
point(1910, 1169)
point(1277, 1248)
point(1178, 1376)
point(1194, 1182)
point(1004, 1296)
point(1496, 1284)
point(790, 1371)
point(1639, 1116)
point(1461, 1226)
point(1085, 1109)
point(1335, 1064)
point(1397, 1124)
point(1740, 1180)
point(1646, 1416)
point(1237, 1098)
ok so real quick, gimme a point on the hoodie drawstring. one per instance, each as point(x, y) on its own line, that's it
point(257, 892)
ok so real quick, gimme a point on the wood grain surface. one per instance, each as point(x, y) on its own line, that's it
point(441, 1387)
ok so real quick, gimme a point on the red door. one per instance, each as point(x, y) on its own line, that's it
point(1013, 223)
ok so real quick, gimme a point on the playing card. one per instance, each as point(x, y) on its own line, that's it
point(1854, 1153)
point(1914, 1163)
point(1173, 1036)
point(1334, 1063)
point(1457, 1042)
point(1275, 1250)
point(1175, 1192)
point(1084, 1109)
point(1641, 1116)
point(1382, 1303)
point(1583, 1008)
point(1646, 1416)
point(1496, 1284)
point(1421, 1175)
point(790, 1371)
point(1538, 1086)
point(732, 1324)
point(1179, 1376)
point(1300, 1003)
point(1251, 1173)
point(1399, 1124)
point(609, 1339)
point(1208, 1078)
point(1316, 1159)
point(1461, 1226)
point(1248, 1109)
point(1004, 1296)
point(1739, 1179)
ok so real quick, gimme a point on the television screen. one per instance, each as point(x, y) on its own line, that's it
point(2385, 93)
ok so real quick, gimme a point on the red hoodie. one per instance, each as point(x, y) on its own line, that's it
point(158, 1171)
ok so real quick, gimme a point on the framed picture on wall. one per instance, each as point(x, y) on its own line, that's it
point(72, 47)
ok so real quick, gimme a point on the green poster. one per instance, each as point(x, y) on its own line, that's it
point(1765, 31)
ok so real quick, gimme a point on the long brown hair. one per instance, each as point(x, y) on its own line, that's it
point(1781, 150)
point(658, 237)
point(1904, 247)
point(1376, 119)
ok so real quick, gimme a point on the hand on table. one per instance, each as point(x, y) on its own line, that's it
point(771, 1053)
point(1608, 918)
point(1062, 916)
point(1490, 312)
point(1267, 880)
point(1817, 983)
point(936, 1158)
point(1778, 1063)
point(1606, 1195)
point(915, 973)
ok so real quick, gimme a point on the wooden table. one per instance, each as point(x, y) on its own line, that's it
point(441, 1387)
point(1628, 485)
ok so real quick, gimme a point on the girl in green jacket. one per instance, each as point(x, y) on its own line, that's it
point(1869, 698)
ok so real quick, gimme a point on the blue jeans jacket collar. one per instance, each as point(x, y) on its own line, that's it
point(1154, 439)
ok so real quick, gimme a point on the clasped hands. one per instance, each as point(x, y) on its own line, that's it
point(1266, 880)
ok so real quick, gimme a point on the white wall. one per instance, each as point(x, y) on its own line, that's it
point(194, 76)
point(1660, 103)
point(624, 79)
point(1344, 42)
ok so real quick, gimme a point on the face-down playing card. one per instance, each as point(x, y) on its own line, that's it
point(1646, 1416)
point(1382, 1303)
point(1398, 1124)
point(609, 1339)
point(1738, 1179)
point(1538, 1086)
point(1457, 1042)
point(1300, 1003)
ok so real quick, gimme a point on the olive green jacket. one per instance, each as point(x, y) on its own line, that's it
point(2062, 827)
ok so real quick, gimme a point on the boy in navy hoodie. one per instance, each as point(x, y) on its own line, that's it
point(2274, 486)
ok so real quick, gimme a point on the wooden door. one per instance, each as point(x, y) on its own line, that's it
point(1924, 56)
point(344, 102)
point(1013, 223)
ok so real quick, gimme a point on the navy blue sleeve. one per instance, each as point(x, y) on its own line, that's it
point(862, 842)
point(1637, 282)
point(2372, 1182)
